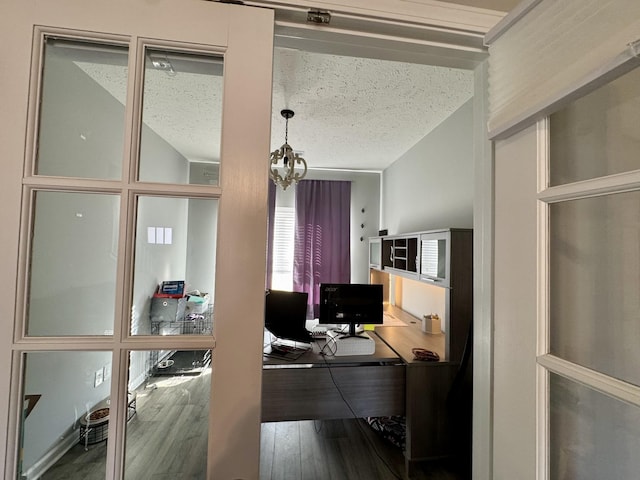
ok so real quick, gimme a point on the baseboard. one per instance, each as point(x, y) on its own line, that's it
point(50, 458)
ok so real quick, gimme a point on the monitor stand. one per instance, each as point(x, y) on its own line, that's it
point(353, 334)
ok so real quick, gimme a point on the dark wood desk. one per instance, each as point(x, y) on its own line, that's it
point(315, 387)
point(429, 410)
point(389, 382)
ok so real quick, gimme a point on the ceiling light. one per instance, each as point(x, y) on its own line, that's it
point(163, 64)
point(285, 174)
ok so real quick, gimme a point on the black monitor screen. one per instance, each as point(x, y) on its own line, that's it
point(285, 315)
point(351, 303)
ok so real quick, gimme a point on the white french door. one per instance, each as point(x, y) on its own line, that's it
point(567, 276)
point(133, 137)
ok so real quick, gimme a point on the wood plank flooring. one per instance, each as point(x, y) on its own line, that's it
point(167, 439)
point(338, 450)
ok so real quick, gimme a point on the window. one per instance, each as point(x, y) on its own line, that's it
point(283, 236)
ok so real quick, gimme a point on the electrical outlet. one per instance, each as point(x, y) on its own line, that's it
point(107, 372)
point(99, 378)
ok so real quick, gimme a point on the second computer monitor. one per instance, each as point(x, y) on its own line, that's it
point(286, 315)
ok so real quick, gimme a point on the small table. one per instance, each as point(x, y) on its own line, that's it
point(94, 426)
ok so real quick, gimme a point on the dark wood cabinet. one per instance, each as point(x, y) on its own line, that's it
point(400, 253)
point(443, 258)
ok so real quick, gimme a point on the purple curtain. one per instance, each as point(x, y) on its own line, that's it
point(322, 237)
point(271, 208)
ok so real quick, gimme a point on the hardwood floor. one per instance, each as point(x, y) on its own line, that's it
point(167, 439)
point(337, 450)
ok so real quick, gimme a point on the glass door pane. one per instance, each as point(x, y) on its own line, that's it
point(592, 436)
point(594, 270)
point(181, 118)
point(81, 127)
point(174, 266)
point(72, 279)
point(168, 436)
point(66, 415)
point(598, 134)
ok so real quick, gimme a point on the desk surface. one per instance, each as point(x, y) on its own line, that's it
point(393, 344)
point(382, 355)
point(404, 339)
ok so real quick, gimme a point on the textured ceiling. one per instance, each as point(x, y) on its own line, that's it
point(360, 113)
point(350, 113)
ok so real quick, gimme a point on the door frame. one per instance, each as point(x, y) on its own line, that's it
point(449, 36)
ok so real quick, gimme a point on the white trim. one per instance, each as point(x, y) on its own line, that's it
point(513, 17)
point(432, 13)
point(483, 237)
point(624, 62)
point(623, 391)
point(406, 43)
point(416, 31)
point(350, 170)
point(542, 423)
point(617, 183)
point(542, 340)
point(542, 346)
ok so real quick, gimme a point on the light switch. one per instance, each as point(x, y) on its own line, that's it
point(99, 378)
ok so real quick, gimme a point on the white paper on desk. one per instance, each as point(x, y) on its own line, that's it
point(389, 320)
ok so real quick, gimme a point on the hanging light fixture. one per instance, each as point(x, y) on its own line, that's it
point(285, 174)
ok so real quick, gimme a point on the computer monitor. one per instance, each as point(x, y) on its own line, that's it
point(351, 304)
point(285, 315)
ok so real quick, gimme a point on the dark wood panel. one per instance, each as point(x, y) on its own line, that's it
point(336, 392)
point(429, 412)
point(461, 293)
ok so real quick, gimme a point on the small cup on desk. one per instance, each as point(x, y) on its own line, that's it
point(431, 323)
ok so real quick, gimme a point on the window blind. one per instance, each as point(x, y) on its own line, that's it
point(283, 239)
point(558, 50)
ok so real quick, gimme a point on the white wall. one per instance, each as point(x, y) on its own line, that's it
point(420, 298)
point(432, 185)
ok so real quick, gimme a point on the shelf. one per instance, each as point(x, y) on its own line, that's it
point(440, 258)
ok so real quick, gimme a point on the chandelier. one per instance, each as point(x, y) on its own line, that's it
point(284, 174)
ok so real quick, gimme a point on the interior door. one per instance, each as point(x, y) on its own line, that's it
point(109, 203)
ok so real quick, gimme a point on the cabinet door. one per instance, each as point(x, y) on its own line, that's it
point(412, 254)
point(434, 257)
point(375, 253)
point(405, 254)
point(401, 254)
point(387, 253)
